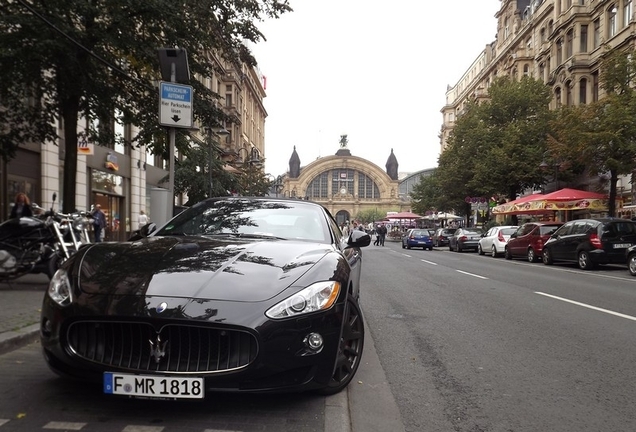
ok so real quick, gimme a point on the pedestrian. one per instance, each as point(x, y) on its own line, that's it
point(382, 230)
point(99, 223)
point(21, 207)
point(143, 218)
point(345, 230)
point(376, 242)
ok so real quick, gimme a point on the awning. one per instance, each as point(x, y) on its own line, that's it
point(570, 199)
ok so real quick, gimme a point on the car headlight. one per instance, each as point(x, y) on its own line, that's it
point(60, 290)
point(316, 297)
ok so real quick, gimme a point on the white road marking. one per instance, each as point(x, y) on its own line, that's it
point(471, 274)
point(408, 256)
point(3, 421)
point(629, 317)
point(429, 262)
point(135, 428)
point(64, 425)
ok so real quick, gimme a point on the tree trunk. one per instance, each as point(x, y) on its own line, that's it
point(70, 113)
point(612, 195)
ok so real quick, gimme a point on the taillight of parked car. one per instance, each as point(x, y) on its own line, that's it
point(463, 238)
point(596, 242)
point(501, 238)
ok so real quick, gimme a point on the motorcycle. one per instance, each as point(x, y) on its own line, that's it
point(40, 244)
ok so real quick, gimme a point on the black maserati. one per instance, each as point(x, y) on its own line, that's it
point(233, 294)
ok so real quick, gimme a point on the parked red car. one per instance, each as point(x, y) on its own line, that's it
point(527, 242)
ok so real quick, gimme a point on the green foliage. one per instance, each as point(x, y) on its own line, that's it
point(602, 135)
point(62, 59)
point(371, 215)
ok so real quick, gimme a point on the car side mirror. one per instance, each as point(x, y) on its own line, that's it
point(358, 238)
point(513, 235)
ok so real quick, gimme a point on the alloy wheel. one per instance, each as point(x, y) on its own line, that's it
point(631, 264)
point(350, 350)
point(585, 262)
point(493, 251)
point(531, 256)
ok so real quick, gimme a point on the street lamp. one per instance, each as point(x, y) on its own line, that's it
point(544, 166)
point(251, 157)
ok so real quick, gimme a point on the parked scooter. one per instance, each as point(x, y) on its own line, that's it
point(40, 244)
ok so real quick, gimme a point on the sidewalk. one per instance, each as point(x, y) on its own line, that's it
point(367, 405)
point(20, 312)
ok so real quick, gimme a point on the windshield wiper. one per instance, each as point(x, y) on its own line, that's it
point(263, 236)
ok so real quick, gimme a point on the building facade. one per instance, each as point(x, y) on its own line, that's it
point(558, 41)
point(346, 184)
point(125, 180)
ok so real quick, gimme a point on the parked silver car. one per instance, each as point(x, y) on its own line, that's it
point(494, 241)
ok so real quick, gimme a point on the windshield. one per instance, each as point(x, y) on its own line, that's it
point(239, 217)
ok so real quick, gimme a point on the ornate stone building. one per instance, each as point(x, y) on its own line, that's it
point(558, 41)
point(345, 184)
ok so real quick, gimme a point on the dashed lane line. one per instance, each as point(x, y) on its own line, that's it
point(607, 311)
point(471, 274)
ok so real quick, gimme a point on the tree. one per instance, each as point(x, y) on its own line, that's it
point(602, 135)
point(69, 59)
point(496, 146)
point(426, 195)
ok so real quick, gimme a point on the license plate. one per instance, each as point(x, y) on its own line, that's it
point(153, 386)
point(622, 245)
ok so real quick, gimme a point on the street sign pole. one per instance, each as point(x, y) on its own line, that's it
point(177, 101)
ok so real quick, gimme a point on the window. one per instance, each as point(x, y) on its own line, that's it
point(342, 181)
point(611, 22)
point(597, 33)
point(583, 91)
point(550, 27)
point(559, 51)
point(557, 96)
point(627, 13)
point(568, 93)
point(583, 44)
point(506, 29)
point(569, 43)
point(318, 188)
point(595, 86)
point(367, 189)
point(526, 70)
point(542, 71)
point(542, 35)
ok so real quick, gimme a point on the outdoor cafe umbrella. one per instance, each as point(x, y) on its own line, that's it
point(518, 206)
point(570, 199)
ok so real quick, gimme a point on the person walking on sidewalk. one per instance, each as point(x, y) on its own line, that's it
point(99, 223)
point(21, 207)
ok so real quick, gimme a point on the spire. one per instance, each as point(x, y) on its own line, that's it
point(392, 166)
point(294, 165)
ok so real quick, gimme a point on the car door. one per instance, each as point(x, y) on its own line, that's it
point(561, 242)
point(519, 241)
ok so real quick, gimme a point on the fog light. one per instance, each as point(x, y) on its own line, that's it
point(314, 341)
point(47, 327)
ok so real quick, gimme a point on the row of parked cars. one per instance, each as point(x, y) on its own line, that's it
point(586, 242)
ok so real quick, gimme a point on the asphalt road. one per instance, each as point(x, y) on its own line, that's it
point(474, 343)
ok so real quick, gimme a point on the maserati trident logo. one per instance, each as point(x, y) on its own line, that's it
point(162, 307)
point(158, 348)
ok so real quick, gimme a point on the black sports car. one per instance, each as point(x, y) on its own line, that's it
point(233, 294)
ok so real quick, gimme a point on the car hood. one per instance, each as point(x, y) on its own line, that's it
point(216, 269)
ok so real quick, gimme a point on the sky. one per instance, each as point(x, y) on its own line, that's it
point(374, 70)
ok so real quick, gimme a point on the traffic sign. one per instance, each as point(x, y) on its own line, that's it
point(175, 106)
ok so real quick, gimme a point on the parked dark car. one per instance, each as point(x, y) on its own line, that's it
point(441, 236)
point(416, 237)
point(589, 242)
point(527, 242)
point(233, 294)
point(465, 239)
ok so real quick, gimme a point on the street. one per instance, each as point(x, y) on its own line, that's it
point(472, 343)
point(465, 343)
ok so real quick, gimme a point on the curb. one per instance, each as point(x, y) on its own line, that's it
point(12, 340)
point(337, 417)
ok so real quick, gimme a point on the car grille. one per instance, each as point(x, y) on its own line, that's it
point(176, 348)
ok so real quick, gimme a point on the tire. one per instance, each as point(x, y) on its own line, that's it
point(631, 264)
point(407, 246)
point(585, 261)
point(349, 351)
point(403, 246)
point(480, 251)
point(458, 248)
point(532, 257)
point(450, 247)
point(507, 254)
point(547, 257)
point(493, 252)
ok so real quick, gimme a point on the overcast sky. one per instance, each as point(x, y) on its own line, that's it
point(374, 70)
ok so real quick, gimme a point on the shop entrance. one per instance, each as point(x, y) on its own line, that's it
point(112, 207)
